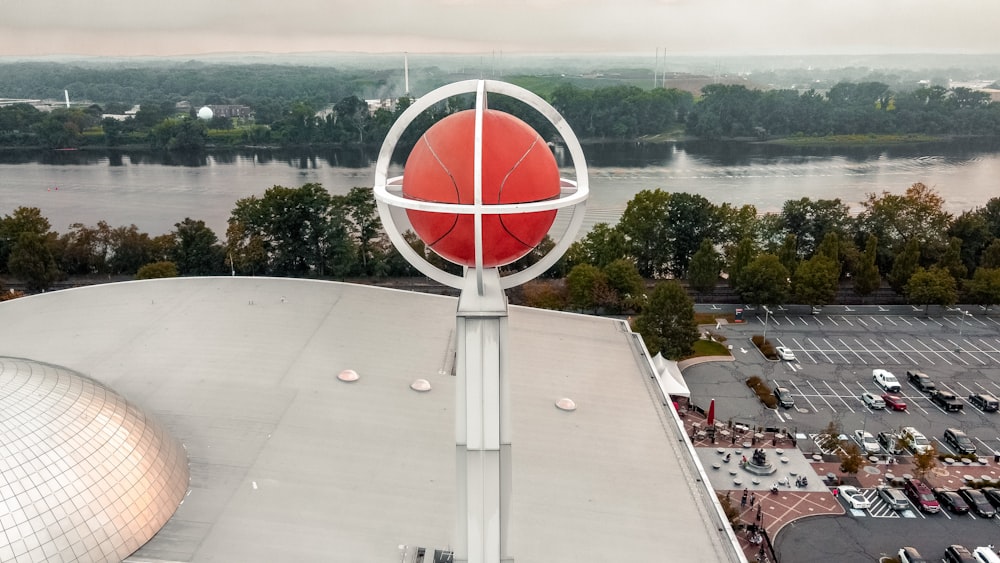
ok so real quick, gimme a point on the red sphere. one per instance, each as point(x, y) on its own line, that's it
point(517, 167)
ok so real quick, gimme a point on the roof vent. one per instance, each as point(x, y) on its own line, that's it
point(421, 385)
point(566, 404)
point(348, 375)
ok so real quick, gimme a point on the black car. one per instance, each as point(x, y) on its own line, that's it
point(984, 402)
point(951, 500)
point(959, 441)
point(784, 397)
point(992, 495)
point(958, 554)
point(921, 381)
point(978, 501)
point(947, 400)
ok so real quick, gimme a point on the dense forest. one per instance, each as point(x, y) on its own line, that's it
point(316, 106)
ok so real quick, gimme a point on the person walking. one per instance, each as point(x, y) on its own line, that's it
point(753, 497)
point(743, 501)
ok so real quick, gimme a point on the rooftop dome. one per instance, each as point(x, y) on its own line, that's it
point(84, 475)
point(206, 113)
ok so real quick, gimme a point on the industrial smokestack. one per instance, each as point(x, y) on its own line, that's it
point(406, 73)
point(67, 98)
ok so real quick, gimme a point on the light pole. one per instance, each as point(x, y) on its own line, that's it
point(767, 313)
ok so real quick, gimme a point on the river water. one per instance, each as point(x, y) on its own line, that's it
point(155, 191)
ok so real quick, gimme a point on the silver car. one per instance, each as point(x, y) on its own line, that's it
point(895, 498)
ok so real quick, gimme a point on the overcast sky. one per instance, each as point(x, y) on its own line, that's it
point(191, 27)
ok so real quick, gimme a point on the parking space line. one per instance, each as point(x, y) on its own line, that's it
point(821, 351)
point(994, 350)
point(891, 321)
point(877, 359)
point(919, 320)
point(893, 358)
point(846, 321)
point(804, 351)
point(852, 350)
point(834, 349)
point(935, 321)
point(977, 320)
point(957, 346)
point(905, 321)
point(898, 349)
point(876, 321)
point(823, 397)
point(806, 396)
point(834, 321)
point(928, 348)
point(863, 405)
point(952, 352)
point(817, 319)
point(862, 321)
point(985, 445)
point(953, 323)
point(917, 351)
point(992, 321)
point(837, 395)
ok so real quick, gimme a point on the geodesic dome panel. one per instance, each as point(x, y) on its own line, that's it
point(84, 474)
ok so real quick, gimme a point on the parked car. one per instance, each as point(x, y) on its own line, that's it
point(894, 402)
point(910, 555)
point(890, 442)
point(785, 353)
point(886, 380)
point(895, 498)
point(918, 442)
point(920, 380)
point(984, 402)
point(950, 500)
point(921, 495)
point(868, 443)
point(992, 495)
point(985, 555)
point(977, 501)
point(947, 400)
point(784, 397)
point(853, 497)
point(872, 401)
point(959, 441)
point(958, 554)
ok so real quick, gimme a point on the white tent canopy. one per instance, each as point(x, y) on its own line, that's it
point(668, 375)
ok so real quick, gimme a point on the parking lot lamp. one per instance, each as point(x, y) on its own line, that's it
point(767, 313)
point(962, 326)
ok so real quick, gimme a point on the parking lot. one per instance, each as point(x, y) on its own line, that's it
point(835, 353)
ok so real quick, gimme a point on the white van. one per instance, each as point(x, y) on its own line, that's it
point(986, 555)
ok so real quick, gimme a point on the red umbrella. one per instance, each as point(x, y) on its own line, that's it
point(711, 413)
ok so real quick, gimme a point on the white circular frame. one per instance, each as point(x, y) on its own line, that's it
point(573, 193)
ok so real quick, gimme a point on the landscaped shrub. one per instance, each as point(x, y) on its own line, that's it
point(754, 381)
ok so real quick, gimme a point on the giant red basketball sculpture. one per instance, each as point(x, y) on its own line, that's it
point(517, 167)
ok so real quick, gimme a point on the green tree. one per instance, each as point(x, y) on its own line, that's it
point(763, 282)
point(984, 287)
point(603, 245)
point(32, 261)
point(289, 228)
point(866, 277)
point(788, 255)
point(363, 223)
point(703, 272)
point(991, 255)
point(624, 280)
point(931, 287)
point(951, 260)
point(743, 255)
point(851, 459)
point(924, 461)
point(904, 266)
point(667, 323)
point(196, 250)
point(644, 224)
point(156, 270)
point(690, 219)
point(816, 280)
point(12, 226)
point(898, 219)
point(812, 220)
point(585, 286)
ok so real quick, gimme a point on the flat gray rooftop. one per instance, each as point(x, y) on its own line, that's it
point(290, 464)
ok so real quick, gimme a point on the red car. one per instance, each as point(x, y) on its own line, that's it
point(894, 402)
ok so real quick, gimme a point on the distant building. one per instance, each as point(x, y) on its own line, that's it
point(231, 110)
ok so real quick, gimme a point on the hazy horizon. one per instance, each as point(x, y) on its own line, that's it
point(185, 28)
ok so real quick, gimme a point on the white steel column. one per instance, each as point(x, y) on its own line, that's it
point(482, 427)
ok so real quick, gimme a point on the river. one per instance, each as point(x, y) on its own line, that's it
point(155, 191)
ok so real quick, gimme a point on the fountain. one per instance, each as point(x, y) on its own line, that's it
point(758, 464)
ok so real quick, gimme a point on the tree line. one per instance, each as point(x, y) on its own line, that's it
point(613, 112)
point(803, 254)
